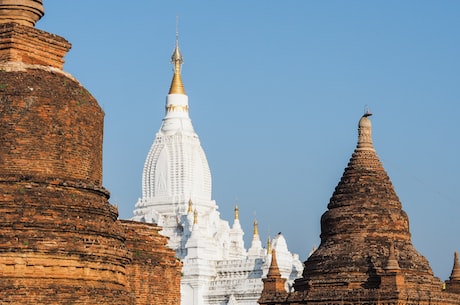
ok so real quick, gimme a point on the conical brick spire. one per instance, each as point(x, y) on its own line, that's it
point(455, 275)
point(274, 284)
point(364, 212)
point(453, 284)
point(274, 271)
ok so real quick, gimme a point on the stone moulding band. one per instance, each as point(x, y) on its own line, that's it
point(56, 182)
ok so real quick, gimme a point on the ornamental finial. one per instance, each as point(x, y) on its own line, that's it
point(365, 132)
point(177, 87)
point(256, 227)
point(237, 212)
point(190, 206)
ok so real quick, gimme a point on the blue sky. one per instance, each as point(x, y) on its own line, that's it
point(276, 89)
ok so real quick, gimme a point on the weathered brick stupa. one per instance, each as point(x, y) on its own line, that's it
point(60, 240)
point(366, 255)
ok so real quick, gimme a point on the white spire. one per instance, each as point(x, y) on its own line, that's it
point(213, 253)
point(176, 168)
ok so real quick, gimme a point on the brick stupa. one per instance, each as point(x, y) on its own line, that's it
point(366, 255)
point(60, 240)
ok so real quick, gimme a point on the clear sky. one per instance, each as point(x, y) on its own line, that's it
point(276, 89)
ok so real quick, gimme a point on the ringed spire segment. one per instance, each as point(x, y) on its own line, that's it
point(455, 275)
point(365, 133)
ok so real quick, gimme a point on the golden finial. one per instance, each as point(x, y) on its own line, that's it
point(237, 210)
point(256, 228)
point(190, 206)
point(177, 87)
point(195, 217)
point(269, 245)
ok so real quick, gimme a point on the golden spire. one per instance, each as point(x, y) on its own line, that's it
point(177, 87)
point(195, 217)
point(190, 206)
point(256, 228)
point(237, 217)
point(269, 245)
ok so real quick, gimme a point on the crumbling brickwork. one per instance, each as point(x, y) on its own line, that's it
point(60, 240)
point(58, 231)
point(366, 255)
point(152, 276)
point(31, 46)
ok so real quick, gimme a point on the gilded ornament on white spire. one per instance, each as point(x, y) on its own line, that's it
point(177, 87)
point(176, 170)
point(237, 212)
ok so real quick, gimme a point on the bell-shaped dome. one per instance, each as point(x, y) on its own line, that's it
point(176, 166)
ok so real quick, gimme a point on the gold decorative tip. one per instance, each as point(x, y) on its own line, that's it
point(190, 206)
point(177, 87)
point(269, 245)
point(237, 212)
point(177, 108)
point(195, 217)
point(256, 228)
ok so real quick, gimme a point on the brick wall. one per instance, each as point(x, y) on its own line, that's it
point(19, 43)
point(60, 240)
point(154, 274)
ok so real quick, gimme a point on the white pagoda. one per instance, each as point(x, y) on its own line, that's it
point(176, 194)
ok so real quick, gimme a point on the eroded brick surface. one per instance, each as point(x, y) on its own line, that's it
point(153, 276)
point(20, 43)
point(366, 255)
point(51, 128)
point(60, 240)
